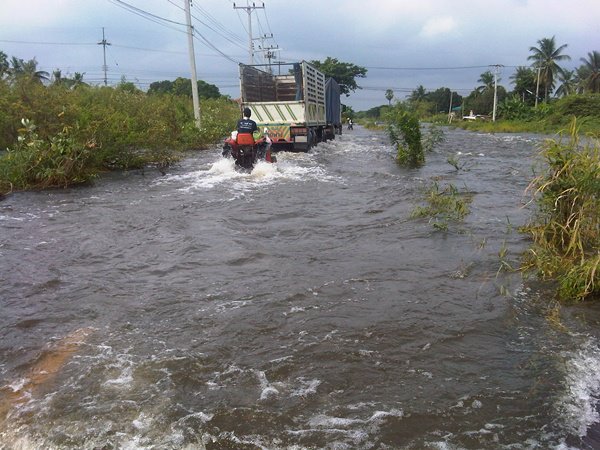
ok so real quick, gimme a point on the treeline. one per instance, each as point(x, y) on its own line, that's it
point(537, 94)
point(62, 131)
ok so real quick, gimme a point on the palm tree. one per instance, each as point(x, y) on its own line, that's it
point(568, 83)
point(545, 59)
point(524, 81)
point(591, 67)
point(418, 94)
point(57, 77)
point(389, 95)
point(16, 66)
point(27, 69)
point(30, 71)
point(78, 80)
point(487, 78)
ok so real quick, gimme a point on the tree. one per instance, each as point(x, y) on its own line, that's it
point(77, 80)
point(545, 59)
point(4, 66)
point(418, 94)
point(183, 86)
point(591, 72)
point(127, 86)
point(568, 84)
point(487, 78)
point(27, 69)
point(483, 102)
point(389, 95)
point(344, 73)
point(440, 100)
point(524, 80)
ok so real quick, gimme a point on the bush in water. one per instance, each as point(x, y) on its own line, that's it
point(566, 235)
point(58, 162)
point(405, 133)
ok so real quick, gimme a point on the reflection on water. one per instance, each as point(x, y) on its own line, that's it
point(296, 306)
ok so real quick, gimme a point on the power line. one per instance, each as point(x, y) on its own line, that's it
point(47, 43)
point(426, 68)
point(433, 68)
point(218, 24)
point(142, 12)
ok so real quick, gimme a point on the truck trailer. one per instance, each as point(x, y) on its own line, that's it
point(298, 105)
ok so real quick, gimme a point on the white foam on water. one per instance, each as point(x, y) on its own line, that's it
point(308, 387)
point(267, 389)
point(578, 406)
point(125, 377)
point(289, 167)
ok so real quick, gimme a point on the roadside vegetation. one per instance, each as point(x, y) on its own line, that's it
point(566, 230)
point(56, 131)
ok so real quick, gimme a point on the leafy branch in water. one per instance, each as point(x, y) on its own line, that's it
point(566, 232)
point(433, 137)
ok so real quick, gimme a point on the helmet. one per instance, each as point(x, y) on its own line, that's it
point(247, 112)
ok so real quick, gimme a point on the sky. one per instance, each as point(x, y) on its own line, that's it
point(402, 43)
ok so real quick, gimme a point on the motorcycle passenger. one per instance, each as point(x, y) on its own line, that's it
point(246, 126)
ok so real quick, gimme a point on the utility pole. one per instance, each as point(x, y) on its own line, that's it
point(450, 108)
point(190, 33)
point(497, 68)
point(268, 52)
point(249, 9)
point(104, 43)
point(537, 86)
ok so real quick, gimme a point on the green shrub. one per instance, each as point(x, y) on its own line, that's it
point(405, 133)
point(579, 106)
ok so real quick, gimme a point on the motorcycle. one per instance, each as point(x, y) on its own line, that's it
point(246, 151)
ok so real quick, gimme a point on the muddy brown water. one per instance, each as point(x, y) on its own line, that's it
point(298, 306)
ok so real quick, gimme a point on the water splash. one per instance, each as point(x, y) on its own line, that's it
point(578, 406)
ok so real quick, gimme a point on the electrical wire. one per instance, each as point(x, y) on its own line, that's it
point(47, 43)
point(148, 16)
point(218, 24)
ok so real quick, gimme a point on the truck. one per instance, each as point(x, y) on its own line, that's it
point(298, 106)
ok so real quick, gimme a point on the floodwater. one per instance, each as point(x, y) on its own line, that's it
point(297, 306)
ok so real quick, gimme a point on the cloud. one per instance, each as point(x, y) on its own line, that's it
point(437, 26)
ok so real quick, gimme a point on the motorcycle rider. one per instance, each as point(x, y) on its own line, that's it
point(246, 125)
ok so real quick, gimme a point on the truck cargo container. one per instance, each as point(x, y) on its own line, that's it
point(298, 106)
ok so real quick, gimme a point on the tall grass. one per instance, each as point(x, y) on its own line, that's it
point(443, 205)
point(566, 232)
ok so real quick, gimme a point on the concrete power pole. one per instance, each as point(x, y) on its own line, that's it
point(249, 10)
point(190, 32)
point(104, 43)
point(537, 85)
point(496, 69)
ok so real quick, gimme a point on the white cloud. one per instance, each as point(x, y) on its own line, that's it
point(437, 26)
